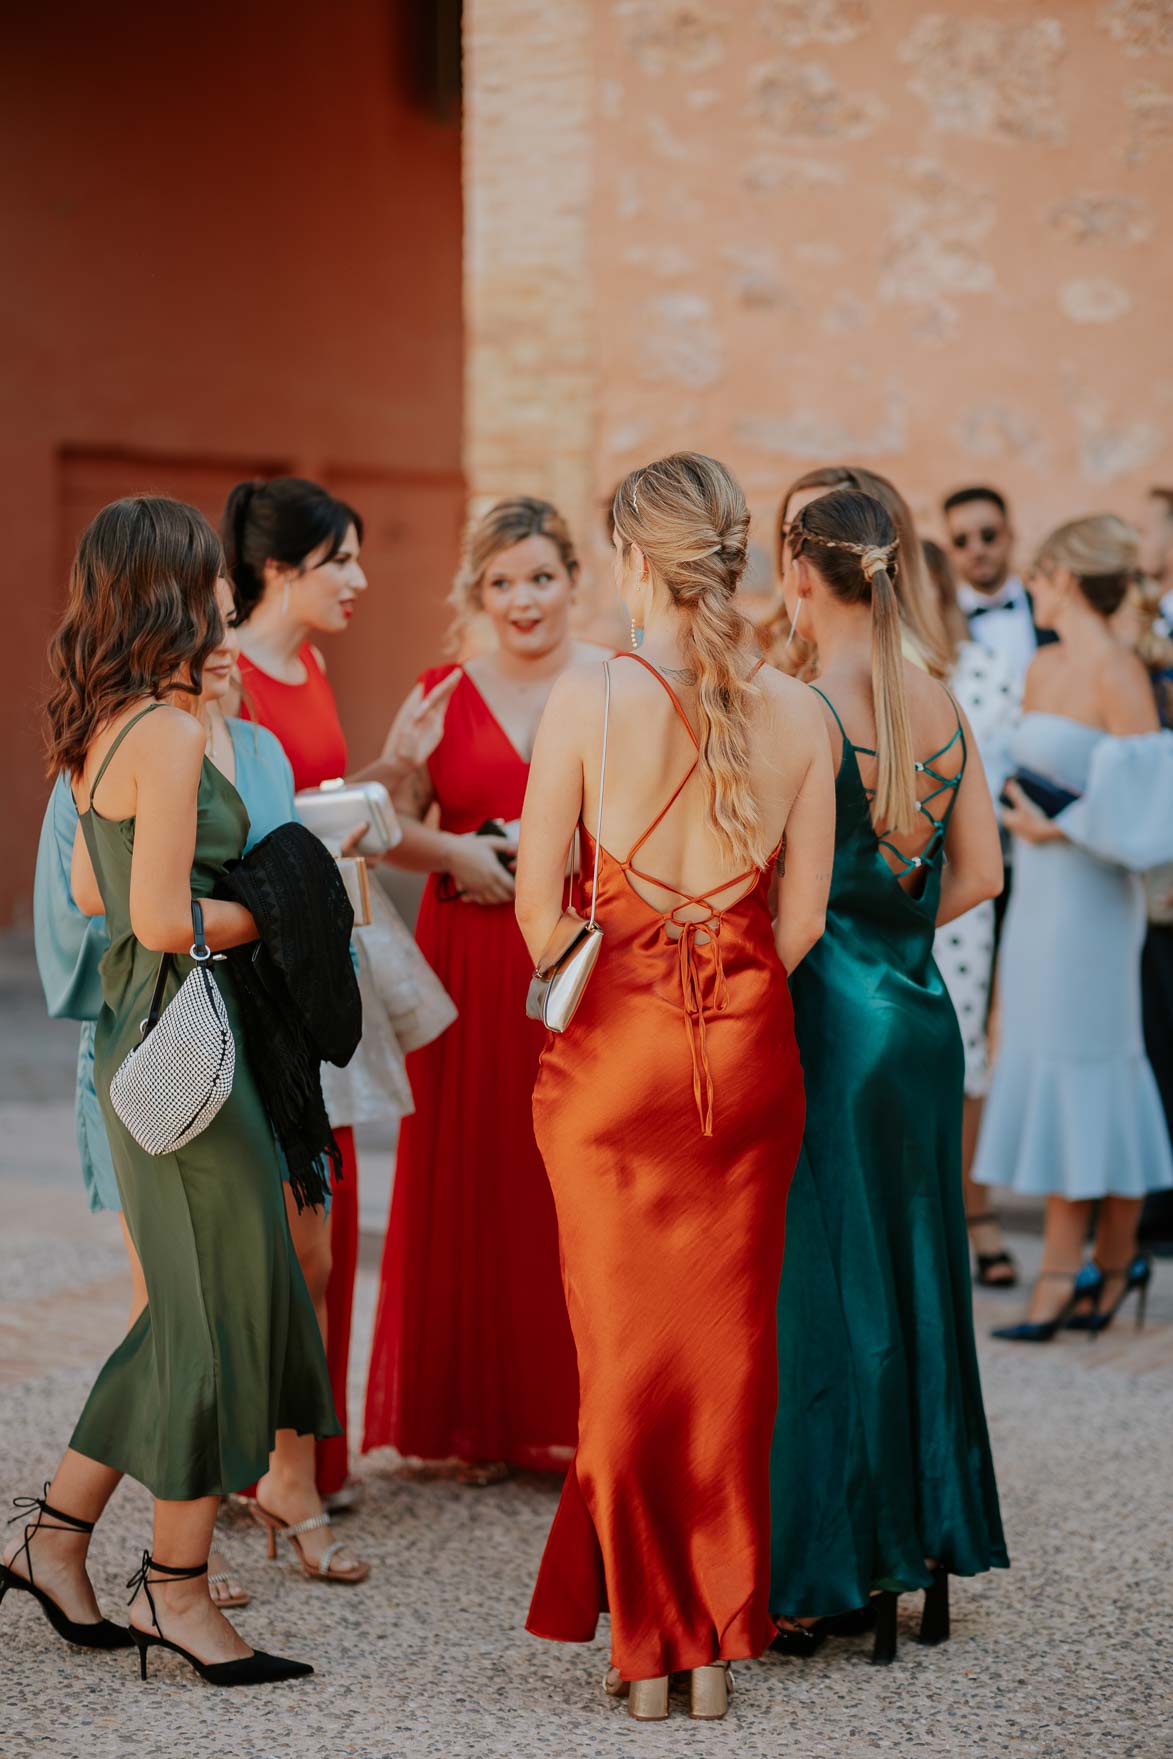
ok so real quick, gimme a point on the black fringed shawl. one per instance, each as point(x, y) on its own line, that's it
point(298, 993)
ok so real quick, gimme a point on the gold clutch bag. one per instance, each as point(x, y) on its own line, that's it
point(572, 952)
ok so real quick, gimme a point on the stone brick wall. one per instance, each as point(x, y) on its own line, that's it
point(932, 238)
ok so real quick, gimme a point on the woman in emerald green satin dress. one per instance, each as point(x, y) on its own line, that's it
point(882, 1478)
point(227, 1350)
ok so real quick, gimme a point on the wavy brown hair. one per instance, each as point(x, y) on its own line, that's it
point(852, 541)
point(140, 620)
point(688, 515)
point(504, 524)
point(919, 609)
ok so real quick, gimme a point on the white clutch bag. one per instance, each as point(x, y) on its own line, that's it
point(332, 811)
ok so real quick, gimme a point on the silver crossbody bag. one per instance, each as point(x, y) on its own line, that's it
point(570, 955)
point(171, 1085)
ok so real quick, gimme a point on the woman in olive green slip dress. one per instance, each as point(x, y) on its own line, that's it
point(228, 1349)
point(881, 1474)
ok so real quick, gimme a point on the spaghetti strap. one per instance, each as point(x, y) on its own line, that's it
point(835, 712)
point(116, 742)
point(660, 678)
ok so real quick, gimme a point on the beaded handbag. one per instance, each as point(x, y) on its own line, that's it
point(171, 1085)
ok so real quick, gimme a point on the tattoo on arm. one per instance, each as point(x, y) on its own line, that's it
point(414, 794)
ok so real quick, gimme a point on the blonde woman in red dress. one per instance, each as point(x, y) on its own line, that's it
point(472, 1357)
point(293, 552)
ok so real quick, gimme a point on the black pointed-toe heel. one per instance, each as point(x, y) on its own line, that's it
point(1087, 1286)
point(934, 1619)
point(799, 1640)
point(802, 1641)
point(101, 1634)
point(884, 1642)
point(257, 1669)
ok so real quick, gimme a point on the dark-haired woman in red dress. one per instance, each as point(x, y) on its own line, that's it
point(293, 553)
point(472, 1356)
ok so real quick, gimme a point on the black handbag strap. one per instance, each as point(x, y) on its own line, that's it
point(200, 951)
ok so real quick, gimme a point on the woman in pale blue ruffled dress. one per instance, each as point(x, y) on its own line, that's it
point(1073, 1113)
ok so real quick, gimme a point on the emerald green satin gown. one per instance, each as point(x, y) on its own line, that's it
point(881, 1456)
point(227, 1350)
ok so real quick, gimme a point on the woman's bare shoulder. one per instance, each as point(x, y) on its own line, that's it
point(790, 696)
point(591, 652)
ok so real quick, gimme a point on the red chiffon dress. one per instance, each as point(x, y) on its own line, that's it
point(304, 718)
point(472, 1355)
point(670, 1115)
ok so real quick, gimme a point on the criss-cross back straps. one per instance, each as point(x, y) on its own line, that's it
point(924, 766)
point(691, 983)
point(677, 791)
point(117, 741)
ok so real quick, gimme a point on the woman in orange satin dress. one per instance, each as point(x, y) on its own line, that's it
point(670, 1113)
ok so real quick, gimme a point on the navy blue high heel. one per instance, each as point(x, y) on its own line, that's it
point(1137, 1277)
point(1087, 1286)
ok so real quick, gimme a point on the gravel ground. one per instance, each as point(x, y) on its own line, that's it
point(1067, 1654)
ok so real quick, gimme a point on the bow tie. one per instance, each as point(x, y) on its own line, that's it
point(988, 610)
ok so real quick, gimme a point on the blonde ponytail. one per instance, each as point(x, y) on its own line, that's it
point(714, 652)
point(689, 517)
point(894, 805)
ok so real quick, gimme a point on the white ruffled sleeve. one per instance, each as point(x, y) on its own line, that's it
point(1125, 814)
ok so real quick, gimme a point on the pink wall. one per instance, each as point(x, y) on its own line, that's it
point(930, 238)
point(232, 243)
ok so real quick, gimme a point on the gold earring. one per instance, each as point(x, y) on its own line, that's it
point(637, 635)
point(793, 626)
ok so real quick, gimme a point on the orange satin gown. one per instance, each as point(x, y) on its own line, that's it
point(669, 1117)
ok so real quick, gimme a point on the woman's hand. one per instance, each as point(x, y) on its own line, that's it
point(1023, 819)
point(478, 874)
point(418, 728)
point(350, 843)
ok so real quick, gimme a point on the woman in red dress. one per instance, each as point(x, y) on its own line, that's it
point(293, 552)
point(472, 1356)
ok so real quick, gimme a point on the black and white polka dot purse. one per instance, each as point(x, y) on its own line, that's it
point(171, 1085)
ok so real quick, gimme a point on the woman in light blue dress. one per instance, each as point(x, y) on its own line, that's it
point(1073, 1113)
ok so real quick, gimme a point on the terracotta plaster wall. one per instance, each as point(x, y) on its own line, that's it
point(935, 239)
point(232, 244)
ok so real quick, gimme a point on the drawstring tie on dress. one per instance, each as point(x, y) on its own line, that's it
point(692, 991)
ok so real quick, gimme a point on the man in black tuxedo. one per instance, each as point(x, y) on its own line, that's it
point(996, 604)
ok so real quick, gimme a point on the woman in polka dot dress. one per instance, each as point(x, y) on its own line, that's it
point(984, 685)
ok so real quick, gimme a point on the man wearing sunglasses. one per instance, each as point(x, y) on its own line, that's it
point(996, 604)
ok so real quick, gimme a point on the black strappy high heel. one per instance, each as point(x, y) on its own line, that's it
point(934, 1618)
point(990, 1261)
point(257, 1669)
point(100, 1635)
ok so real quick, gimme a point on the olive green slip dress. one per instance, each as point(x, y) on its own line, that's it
point(228, 1349)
